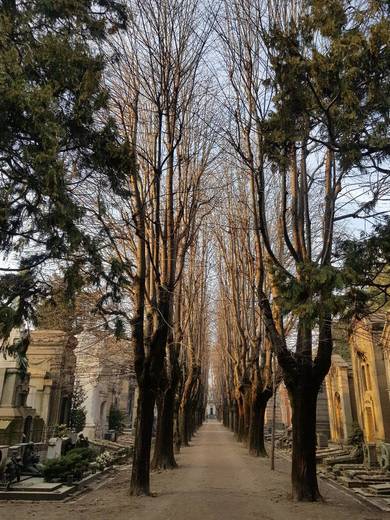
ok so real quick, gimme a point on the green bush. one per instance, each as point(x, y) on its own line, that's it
point(115, 419)
point(74, 464)
point(86, 453)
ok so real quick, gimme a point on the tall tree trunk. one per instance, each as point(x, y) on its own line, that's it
point(235, 417)
point(232, 418)
point(247, 404)
point(176, 434)
point(304, 474)
point(140, 481)
point(184, 435)
point(163, 457)
point(241, 425)
point(256, 429)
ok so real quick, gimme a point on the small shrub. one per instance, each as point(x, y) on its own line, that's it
point(74, 464)
point(115, 419)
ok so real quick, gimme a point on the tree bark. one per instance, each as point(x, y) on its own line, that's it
point(140, 481)
point(241, 420)
point(247, 405)
point(184, 436)
point(256, 428)
point(304, 472)
point(163, 457)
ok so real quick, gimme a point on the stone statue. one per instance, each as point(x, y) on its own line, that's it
point(13, 470)
point(82, 442)
point(30, 461)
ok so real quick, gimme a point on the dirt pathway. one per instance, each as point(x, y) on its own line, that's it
point(216, 480)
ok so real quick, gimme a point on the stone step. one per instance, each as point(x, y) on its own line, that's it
point(380, 489)
point(381, 502)
point(360, 482)
point(35, 484)
point(344, 467)
point(58, 494)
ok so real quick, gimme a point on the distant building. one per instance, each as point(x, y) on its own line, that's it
point(211, 407)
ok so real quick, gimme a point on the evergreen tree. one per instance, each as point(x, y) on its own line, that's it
point(52, 138)
point(115, 418)
point(366, 271)
point(78, 411)
point(331, 88)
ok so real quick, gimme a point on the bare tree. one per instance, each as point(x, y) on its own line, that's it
point(160, 100)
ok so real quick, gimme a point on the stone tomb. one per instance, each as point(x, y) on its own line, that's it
point(339, 390)
point(18, 421)
point(368, 343)
point(52, 364)
point(283, 414)
point(106, 372)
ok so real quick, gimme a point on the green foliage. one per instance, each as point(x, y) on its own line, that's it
point(357, 286)
point(115, 419)
point(78, 411)
point(74, 464)
point(331, 82)
point(52, 138)
point(365, 268)
point(311, 292)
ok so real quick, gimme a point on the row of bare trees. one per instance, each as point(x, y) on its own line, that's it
point(161, 100)
point(244, 358)
point(297, 151)
point(293, 153)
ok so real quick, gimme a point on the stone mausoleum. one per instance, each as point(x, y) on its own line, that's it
point(106, 373)
point(33, 401)
point(341, 400)
point(369, 343)
point(51, 365)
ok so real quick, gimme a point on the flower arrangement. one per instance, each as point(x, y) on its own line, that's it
point(104, 459)
point(60, 430)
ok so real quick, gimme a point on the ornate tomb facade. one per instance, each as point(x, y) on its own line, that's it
point(369, 343)
point(52, 365)
point(341, 400)
point(106, 373)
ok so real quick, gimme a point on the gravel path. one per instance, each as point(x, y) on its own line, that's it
point(216, 480)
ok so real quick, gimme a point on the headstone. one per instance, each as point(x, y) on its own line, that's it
point(322, 440)
point(384, 459)
point(54, 448)
point(370, 456)
point(73, 437)
point(3, 458)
